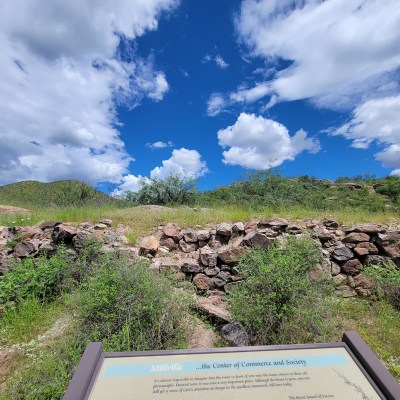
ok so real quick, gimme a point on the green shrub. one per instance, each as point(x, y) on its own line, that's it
point(42, 277)
point(127, 308)
point(387, 282)
point(173, 190)
point(278, 302)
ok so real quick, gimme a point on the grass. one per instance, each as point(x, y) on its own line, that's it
point(377, 322)
point(31, 319)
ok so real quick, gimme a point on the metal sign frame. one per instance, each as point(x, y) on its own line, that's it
point(375, 372)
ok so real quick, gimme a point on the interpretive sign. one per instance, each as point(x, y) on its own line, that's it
point(344, 370)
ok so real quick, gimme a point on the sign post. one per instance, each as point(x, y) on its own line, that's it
point(341, 370)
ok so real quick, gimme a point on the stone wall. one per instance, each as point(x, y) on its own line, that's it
point(208, 257)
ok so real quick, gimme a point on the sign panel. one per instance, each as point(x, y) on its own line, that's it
point(292, 374)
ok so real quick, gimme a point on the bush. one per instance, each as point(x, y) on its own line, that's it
point(128, 308)
point(173, 190)
point(41, 277)
point(277, 302)
point(387, 283)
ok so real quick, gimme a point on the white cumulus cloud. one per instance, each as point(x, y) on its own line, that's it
point(130, 183)
point(221, 62)
point(340, 51)
point(376, 120)
point(62, 77)
point(159, 144)
point(259, 143)
point(183, 162)
point(216, 104)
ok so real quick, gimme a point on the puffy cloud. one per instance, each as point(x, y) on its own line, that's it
point(221, 62)
point(216, 104)
point(62, 76)
point(183, 162)
point(130, 183)
point(159, 145)
point(376, 120)
point(340, 51)
point(259, 143)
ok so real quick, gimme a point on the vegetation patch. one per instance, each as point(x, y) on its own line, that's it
point(278, 302)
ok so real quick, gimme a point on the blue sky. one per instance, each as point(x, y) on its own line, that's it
point(114, 92)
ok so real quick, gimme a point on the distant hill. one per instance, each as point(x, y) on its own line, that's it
point(61, 193)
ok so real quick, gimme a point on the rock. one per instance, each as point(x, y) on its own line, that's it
point(250, 226)
point(168, 265)
point(47, 247)
point(352, 267)
point(63, 233)
point(365, 248)
point(224, 229)
point(188, 247)
point(49, 225)
point(208, 257)
point(275, 223)
point(200, 336)
point(168, 242)
point(230, 255)
point(238, 228)
point(172, 230)
point(339, 280)
point(217, 241)
point(203, 282)
point(379, 261)
point(189, 235)
point(191, 266)
point(25, 249)
point(294, 230)
point(81, 239)
point(219, 282)
point(335, 269)
point(322, 234)
point(177, 276)
point(389, 243)
point(225, 276)
point(221, 313)
point(106, 221)
point(203, 235)
point(352, 185)
point(258, 240)
point(342, 254)
point(356, 237)
point(362, 281)
point(209, 271)
point(235, 334)
point(110, 237)
point(100, 226)
point(370, 229)
point(149, 245)
point(330, 223)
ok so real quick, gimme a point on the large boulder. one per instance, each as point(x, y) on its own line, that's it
point(203, 282)
point(188, 247)
point(219, 312)
point(63, 233)
point(25, 249)
point(189, 235)
point(342, 254)
point(235, 334)
point(257, 240)
point(356, 237)
point(208, 257)
point(322, 234)
point(352, 267)
point(173, 231)
point(369, 229)
point(365, 248)
point(275, 223)
point(191, 266)
point(224, 229)
point(389, 243)
point(149, 245)
point(230, 255)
